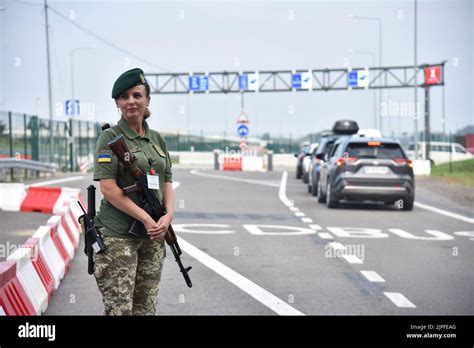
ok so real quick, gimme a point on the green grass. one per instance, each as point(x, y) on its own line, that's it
point(462, 172)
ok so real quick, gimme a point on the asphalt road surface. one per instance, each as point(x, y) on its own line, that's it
point(259, 244)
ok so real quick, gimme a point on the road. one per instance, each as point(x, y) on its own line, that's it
point(259, 244)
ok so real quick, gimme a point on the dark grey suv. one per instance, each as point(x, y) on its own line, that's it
point(360, 169)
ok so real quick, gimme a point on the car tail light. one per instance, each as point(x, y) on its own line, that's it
point(346, 160)
point(405, 161)
point(373, 143)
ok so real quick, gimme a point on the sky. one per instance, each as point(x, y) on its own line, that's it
point(187, 36)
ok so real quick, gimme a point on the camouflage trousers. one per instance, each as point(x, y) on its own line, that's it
point(128, 275)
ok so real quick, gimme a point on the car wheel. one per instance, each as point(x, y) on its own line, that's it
point(298, 173)
point(314, 188)
point(305, 178)
point(321, 195)
point(331, 202)
point(407, 204)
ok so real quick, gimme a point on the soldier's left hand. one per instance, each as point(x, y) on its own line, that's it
point(163, 225)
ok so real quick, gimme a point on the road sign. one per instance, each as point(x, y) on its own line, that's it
point(72, 107)
point(243, 130)
point(433, 75)
point(302, 80)
point(248, 82)
point(352, 78)
point(198, 83)
point(243, 118)
point(358, 78)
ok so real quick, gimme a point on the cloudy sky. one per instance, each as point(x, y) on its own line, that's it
point(186, 36)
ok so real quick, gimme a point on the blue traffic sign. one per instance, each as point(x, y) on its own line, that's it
point(243, 130)
point(297, 80)
point(72, 107)
point(243, 81)
point(352, 79)
point(198, 83)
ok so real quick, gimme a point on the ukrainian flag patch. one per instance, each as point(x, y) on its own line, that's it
point(104, 158)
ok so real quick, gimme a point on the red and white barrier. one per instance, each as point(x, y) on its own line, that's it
point(51, 254)
point(66, 240)
point(11, 196)
point(13, 298)
point(39, 263)
point(67, 222)
point(232, 162)
point(31, 274)
point(29, 279)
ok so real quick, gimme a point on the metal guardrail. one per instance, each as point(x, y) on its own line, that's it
point(13, 163)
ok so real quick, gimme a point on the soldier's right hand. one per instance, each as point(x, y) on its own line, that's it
point(153, 230)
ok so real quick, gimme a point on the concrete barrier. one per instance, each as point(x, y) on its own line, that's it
point(13, 298)
point(421, 167)
point(66, 240)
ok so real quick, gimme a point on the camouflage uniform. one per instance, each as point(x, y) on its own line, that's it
point(128, 275)
point(128, 272)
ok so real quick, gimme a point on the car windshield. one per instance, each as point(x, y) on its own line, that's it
point(382, 151)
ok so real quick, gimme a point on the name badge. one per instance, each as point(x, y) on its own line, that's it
point(153, 181)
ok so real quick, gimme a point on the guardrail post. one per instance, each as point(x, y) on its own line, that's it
point(25, 143)
point(216, 159)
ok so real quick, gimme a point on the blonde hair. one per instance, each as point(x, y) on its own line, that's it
point(146, 114)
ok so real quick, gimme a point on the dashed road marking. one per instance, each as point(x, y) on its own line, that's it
point(299, 214)
point(373, 276)
point(307, 220)
point(260, 294)
point(399, 300)
point(325, 235)
point(315, 227)
point(352, 259)
point(294, 209)
point(337, 246)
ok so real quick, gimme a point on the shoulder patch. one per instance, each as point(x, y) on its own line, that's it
point(105, 156)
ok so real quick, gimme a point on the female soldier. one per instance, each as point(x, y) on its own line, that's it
point(128, 273)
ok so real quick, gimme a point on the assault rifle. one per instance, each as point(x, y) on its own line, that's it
point(150, 203)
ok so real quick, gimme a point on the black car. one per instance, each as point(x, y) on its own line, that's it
point(299, 159)
point(341, 129)
point(360, 168)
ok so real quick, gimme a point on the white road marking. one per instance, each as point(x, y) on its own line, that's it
point(352, 259)
point(437, 234)
point(315, 227)
point(222, 177)
point(260, 294)
point(294, 209)
point(307, 220)
point(399, 300)
point(445, 212)
point(298, 213)
point(282, 191)
point(57, 181)
point(325, 235)
point(337, 246)
point(176, 184)
point(373, 276)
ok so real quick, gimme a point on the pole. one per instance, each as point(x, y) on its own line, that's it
point(415, 69)
point(427, 123)
point(50, 98)
point(380, 62)
point(443, 119)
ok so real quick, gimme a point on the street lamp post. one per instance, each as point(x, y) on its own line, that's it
point(379, 22)
point(71, 144)
point(371, 53)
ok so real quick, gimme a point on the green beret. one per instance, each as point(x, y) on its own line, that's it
point(127, 80)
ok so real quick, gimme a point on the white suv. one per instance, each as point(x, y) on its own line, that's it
point(440, 152)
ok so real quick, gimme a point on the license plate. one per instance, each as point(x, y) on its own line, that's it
point(376, 170)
